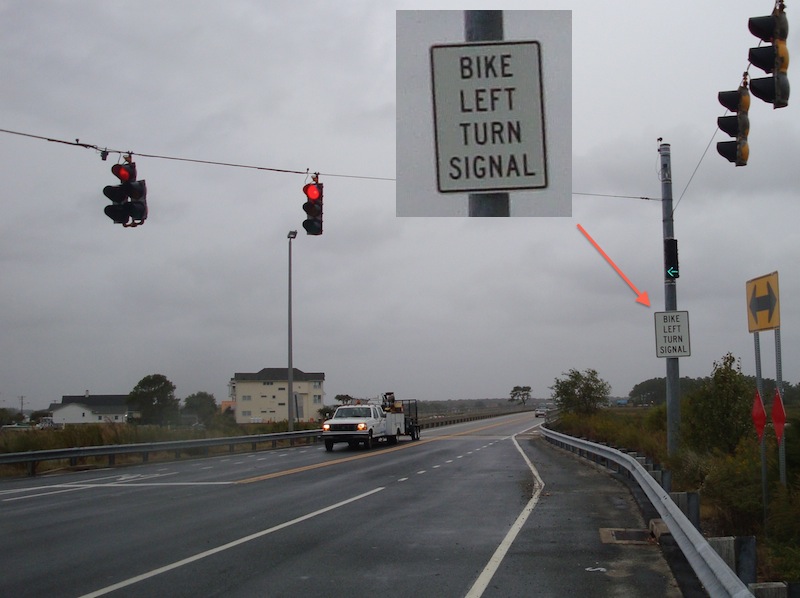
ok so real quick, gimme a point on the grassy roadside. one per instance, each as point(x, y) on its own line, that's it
point(110, 434)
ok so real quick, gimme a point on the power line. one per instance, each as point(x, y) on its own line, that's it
point(106, 151)
point(619, 196)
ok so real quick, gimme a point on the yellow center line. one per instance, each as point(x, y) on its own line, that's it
point(285, 472)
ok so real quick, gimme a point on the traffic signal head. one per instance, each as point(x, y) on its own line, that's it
point(129, 207)
point(738, 126)
point(671, 270)
point(772, 59)
point(313, 208)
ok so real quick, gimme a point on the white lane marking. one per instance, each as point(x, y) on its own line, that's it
point(480, 585)
point(121, 482)
point(402, 480)
point(228, 546)
point(70, 488)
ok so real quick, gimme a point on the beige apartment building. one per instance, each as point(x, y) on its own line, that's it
point(263, 396)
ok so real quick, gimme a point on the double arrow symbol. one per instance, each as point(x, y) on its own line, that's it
point(763, 303)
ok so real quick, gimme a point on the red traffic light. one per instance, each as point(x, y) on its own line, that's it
point(313, 208)
point(312, 191)
point(124, 172)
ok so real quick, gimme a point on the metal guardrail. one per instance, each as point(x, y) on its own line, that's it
point(715, 575)
point(33, 458)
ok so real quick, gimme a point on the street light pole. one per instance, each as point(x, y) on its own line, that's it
point(290, 370)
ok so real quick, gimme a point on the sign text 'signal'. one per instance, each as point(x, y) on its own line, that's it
point(493, 132)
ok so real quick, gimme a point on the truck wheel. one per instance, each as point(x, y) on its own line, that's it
point(329, 445)
point(415, 433)
point(368, 442)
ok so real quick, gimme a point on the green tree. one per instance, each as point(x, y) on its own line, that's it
point(154, 398)
point(580, 392)
point(344, 399)
point(326, 412)
point(520, 394)
point(719, 413)
point(203, 405)
point(654, 390)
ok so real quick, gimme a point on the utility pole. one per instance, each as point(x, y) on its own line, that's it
point(482, 26)
point(670, 304)
point(290, 370)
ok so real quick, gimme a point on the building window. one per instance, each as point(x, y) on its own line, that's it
point(316, 384)
point(246, 413)
point(317, 399)
point(247, 398)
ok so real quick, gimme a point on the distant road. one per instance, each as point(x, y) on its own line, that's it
point(458, 513)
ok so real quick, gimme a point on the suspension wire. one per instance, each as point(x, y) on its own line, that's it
point(105, 151)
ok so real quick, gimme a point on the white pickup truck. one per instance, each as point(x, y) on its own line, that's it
point(367, 424)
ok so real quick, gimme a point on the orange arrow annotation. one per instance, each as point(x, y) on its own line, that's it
point(641, 297)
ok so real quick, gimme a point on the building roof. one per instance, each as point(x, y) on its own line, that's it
point(279, 375)
point(96, 400)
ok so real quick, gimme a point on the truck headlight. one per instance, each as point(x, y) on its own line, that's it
point(362, 426)
point(326, 427)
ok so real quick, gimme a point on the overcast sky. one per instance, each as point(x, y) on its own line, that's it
point(432, 308)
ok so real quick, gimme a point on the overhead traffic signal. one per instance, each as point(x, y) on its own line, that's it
point(738, 126)
point(313, 208)
point(772, 59)
point(129, 207)
point(671, 269)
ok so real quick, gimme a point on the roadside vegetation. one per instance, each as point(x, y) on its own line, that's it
point(719, 455)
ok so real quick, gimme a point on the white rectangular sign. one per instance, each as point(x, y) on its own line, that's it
point(672, 334)
point(488, 116)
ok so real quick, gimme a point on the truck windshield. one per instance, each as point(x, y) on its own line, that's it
point(352, 412)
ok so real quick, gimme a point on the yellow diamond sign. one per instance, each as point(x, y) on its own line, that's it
point(763, 303)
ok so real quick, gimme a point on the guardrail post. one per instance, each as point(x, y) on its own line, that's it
point(745, 549)
point(111, 460)
point(689, 503)
point(145, 457)
point(31, 468)
point(769, 589)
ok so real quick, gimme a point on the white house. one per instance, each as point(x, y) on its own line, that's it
point(91, 409)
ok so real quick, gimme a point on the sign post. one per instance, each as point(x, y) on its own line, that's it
point(764, 313)
point(488, 116)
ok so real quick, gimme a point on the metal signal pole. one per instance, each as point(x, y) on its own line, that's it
point(481, 26)
point(670, 304)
